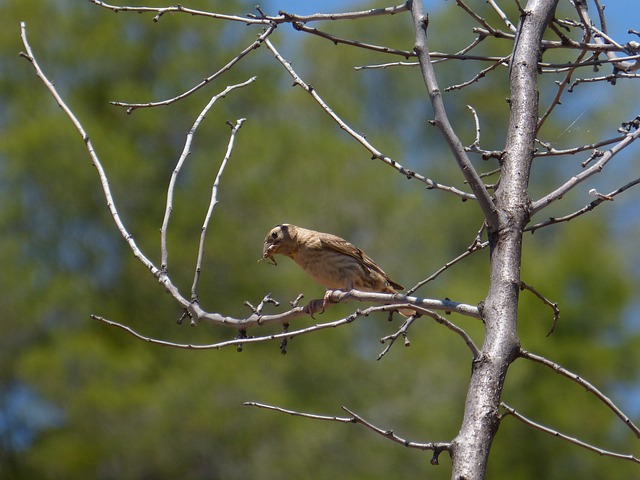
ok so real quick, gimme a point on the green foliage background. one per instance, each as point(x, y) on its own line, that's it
point(81, 400)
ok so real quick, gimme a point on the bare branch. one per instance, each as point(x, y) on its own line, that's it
point(577, 179)
point(402, 331)
point(546, 301)
point(555, 433)
point(442, 121)
point(561, 86)
point(601, 38)
point(502, 15)
point(300, 414)
point(436, 447)
point(583, 383)
point(92, 153)
point(475, 246)
point(212, 204)
point(373, 12)
point(176, 171)
point(503, 61)
point(551, 151)
point(255, 45)
point(583, 210)
point(476, 17)
point(353, 43)
point(386, 65)
point(475, 351)
point(389, 434)
point(160, 11)
point(397, 300)
point(611, 78)
point(360, 138)
point(243, 324)
point(476, 121)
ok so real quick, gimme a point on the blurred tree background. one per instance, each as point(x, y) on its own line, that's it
point(81, 400)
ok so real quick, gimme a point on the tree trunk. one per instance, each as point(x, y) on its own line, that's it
point(470, 449)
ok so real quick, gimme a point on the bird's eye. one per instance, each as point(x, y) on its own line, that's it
point(274, 235)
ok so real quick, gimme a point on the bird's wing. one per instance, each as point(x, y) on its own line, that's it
point(342, 246)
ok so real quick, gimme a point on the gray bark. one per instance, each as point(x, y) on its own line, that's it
point(470, 449)
point(506, 217)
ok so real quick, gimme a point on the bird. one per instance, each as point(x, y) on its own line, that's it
point(330, 260)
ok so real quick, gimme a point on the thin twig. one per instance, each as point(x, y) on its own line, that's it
point(402, 331)
point(597, 167)
point(442, 121)
point(360, 138)
point(480, 74)
point(605, 78)
point(546, 301)
point(583, 210)
point(255, 45)
point(476, 121)
point(551, 151)
point(511, 411)
point(389, 434)
point(561, 86)
point(353, 43)
point(475, 246)
point(583, 383)
point(160, 11)
point(502, 15)
point(436, 447)
point(475, 351)
point(176, 171)
point(213, 202)
point(246, 340)
point(92, 154)
point(372, 12)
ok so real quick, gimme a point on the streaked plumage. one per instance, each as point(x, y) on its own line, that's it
point(329, 260)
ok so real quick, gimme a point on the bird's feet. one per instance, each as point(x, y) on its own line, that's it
point(319, 305)
point(315, 306)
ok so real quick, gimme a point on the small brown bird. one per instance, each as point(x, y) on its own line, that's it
point(329, 260)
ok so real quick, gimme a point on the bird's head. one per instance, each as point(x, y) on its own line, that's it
point(281, 239)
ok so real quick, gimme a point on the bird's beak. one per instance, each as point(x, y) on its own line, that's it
point(269, 250)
